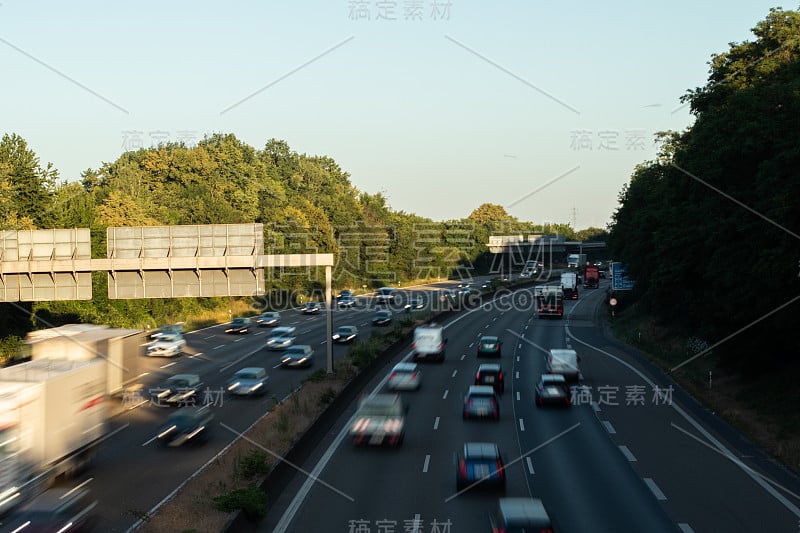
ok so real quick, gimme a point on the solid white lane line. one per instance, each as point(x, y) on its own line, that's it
point(609, 427)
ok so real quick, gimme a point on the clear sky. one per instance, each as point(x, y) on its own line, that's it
point(542, 107)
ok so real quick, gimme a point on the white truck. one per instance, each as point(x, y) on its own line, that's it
point(576, 260)
point(429, 343)
point(53, 415)
point(119, 349)
point(569, 284)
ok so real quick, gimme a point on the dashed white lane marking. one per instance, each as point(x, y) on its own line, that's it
point(444, 396)
point(427, 462)
point(530, 465)
point(653, 487)
point(627, 453)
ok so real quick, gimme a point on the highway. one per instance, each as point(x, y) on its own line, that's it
point(655, 461)
point(132, 474)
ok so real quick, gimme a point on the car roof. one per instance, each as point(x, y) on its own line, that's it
point(553, 378)
point(481, 450)
point(383, 312)
point(523, 511)
point(251, 370)
point(381, 400)
point(270, 313)
point(188, 377)
point(560, 352)
point(481, 390)
point(299, 348)
point(283, 329)
point(489, 338)
point(346, 327)
point(405, 367)
point(489, 367)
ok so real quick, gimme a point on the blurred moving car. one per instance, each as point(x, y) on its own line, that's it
point(345, 293)
point(347, 302)
point(180, 389)
point(489, 346)
point(404, 376)
point(168, 329)
point(239, 325)
point(298, 356)
point(57, 509)
point(382, 318)
point(520, 514)
point(187, 425)
point(281, 338)
point(166, 345)
point(481, 402)
point(344, 334)
point(552, 389)
point(385, 295)
point(268, 319)
point(250, 381)
point(565, 362)
point(311, 308)
point(380, 419)
point(491, 375)
point(482, 464)
point(415, 303)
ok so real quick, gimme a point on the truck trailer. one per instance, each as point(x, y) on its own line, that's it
point(549, 301)
point(53, 415)
point(120, 349)
point(591, 277)
point(569, 284)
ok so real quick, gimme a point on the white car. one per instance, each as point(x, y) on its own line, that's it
point(250, 381)
point(404, 376)
point(167, 345)
point(281, 338)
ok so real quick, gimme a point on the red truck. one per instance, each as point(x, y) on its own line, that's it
point(591, 277)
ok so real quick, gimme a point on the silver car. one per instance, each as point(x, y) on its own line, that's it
point(281, 338)
point(250, 381)
point(404, 376)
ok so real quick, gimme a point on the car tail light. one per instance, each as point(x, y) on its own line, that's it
point(462, 467)
point(441, 346)
point(480, 346)
point(500, 376)
point(477, 375)
point(394, 375)
point(500, 471)
point(414, 375)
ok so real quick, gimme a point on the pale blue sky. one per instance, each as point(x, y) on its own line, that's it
point(486, 102)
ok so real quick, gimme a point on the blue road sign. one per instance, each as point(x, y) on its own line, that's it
point(619, 280)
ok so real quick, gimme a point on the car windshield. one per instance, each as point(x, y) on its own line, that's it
point(246, 375)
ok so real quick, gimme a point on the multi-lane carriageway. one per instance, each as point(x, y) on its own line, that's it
point(598, 466)
point(636, 454)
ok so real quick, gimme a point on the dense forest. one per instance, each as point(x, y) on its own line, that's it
point(710, 229)
point(306, 204)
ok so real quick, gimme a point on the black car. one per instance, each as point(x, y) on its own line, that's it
point(552, 389)
point(190, 425)
point(239, 325)
point(490, 375)
point(382, 318)
point(346, 293)
point(56, 509)
point(344, 334)
point(481, 402)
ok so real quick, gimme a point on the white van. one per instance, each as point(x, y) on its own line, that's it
point(564, 362)
point(429, 343)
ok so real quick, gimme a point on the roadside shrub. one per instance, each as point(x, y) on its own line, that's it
point(251, 465)
point(252, 501)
